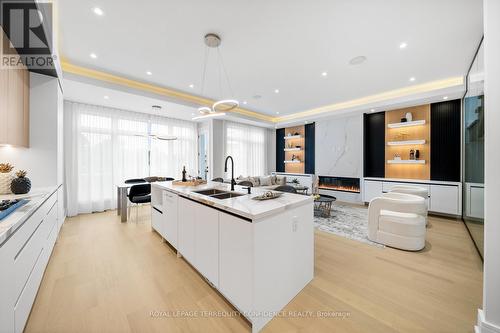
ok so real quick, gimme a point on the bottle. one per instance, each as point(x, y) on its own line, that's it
point(417, 154)
point(184, 174)
point(412, 154)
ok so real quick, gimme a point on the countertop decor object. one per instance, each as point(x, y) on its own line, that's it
point(268, 195)
point(192, 182)
point(21, 184)
point(9, 206)
point(6, 177)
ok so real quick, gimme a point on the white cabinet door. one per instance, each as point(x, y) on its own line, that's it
point(444, 199)
point(372, 189)
point(207, 243)
point(170, 217)
point(156, 218)
point(186, 228)
point(236, 261)
point(476, 201)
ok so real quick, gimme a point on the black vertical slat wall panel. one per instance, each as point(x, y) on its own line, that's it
point(374, 144)
point(445, 141)
point(280, 153)
point(310, 148)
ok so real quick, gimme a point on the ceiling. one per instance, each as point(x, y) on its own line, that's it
point(268, 45)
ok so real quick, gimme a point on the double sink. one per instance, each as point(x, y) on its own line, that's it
point(218, 194)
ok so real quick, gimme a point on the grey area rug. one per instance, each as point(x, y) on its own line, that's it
point(348, 221)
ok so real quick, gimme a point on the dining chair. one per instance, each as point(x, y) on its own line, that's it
point(139, 194)
point(134, 181)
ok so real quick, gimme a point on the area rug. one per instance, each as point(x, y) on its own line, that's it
point(348, 221)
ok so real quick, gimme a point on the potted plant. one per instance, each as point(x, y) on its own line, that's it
point(6, 177)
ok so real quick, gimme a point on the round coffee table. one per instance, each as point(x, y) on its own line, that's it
point(323, 205)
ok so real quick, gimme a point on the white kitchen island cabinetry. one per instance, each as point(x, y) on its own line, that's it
point(257, 254)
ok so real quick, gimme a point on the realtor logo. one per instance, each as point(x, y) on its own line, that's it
point(28, 27)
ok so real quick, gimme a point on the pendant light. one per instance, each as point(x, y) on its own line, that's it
point(213, 41)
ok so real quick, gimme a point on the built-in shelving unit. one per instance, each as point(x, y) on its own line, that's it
point(292, 149)
point(405, 161)
point(407, 124)
point(289, 137)
point(294, 161)
point(406, 143)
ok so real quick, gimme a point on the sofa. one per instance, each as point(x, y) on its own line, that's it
point(266, 182)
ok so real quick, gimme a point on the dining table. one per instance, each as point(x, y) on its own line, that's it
point(122, 198)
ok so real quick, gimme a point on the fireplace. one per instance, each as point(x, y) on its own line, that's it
point(343, 184)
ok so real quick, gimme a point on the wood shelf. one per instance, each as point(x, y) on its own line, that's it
point(292, 149)
point(405, 161)
point(406, 143)
point(293, 161)
point(289, 137)
point(407, 124)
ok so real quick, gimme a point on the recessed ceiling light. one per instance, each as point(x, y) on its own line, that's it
point(357, 60)
point(149, 73)
point(276, 91)
point(106, 97)
point(412, 79)
point(305, 122)
point(403, 45)
point(445, 97)
point(324, 74)
point(372, 110)
point(277, 112)
point(191, 86)
point(192, 114)
point(93, 56)
point(245, 102)
point(98, 11)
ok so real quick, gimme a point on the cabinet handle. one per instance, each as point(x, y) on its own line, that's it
point(159, 211)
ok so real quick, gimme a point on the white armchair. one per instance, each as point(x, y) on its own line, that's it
point(408, 189)
point(398, 220)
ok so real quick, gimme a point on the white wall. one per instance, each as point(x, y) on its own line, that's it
point(41, 158)
point(489, 318)
point(339, 146)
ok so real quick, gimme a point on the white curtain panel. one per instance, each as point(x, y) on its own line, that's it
point(248, 146)
point(105, 146)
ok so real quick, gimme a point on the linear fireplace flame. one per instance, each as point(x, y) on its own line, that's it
point(343, 184)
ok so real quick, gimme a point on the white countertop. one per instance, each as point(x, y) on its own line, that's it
point(13, 221)
point(420, 181)
point(244, 205)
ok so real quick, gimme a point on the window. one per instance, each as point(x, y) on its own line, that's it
point(247, 145)
point(105, 146)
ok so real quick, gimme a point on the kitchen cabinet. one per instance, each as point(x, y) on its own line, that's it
point(169, 220)
point(207, 243)
point(14, 105)
point(236, 258)
point(23, 258)
point(187, 229)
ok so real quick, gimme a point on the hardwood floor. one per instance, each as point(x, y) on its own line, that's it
point(105, 276)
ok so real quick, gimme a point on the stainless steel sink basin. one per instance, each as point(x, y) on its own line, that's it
point(210, 191)
point(226, 195)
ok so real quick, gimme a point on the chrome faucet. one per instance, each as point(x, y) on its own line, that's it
point(232, 171)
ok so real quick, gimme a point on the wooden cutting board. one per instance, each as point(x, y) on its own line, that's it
point(194, 182)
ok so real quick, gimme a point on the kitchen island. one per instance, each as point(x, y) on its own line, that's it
point(257, 254)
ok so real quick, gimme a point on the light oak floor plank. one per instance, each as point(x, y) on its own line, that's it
point(107, 276)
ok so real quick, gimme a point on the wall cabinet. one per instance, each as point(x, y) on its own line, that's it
point(444, 199)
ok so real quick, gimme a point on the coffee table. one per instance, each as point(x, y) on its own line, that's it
point(323, 205)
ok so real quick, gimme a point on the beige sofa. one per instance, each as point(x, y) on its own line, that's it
point(268, 182)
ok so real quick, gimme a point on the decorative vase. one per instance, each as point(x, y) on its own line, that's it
point(409, 116)
point(5, 180)
point(6, 177)
point(21, 184)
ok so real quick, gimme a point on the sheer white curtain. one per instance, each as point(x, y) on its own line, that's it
point(248, 146)
point(105, 146)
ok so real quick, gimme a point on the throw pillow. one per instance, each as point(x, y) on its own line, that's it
point(280, 180)
point(273, 179)
point(265, 181)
